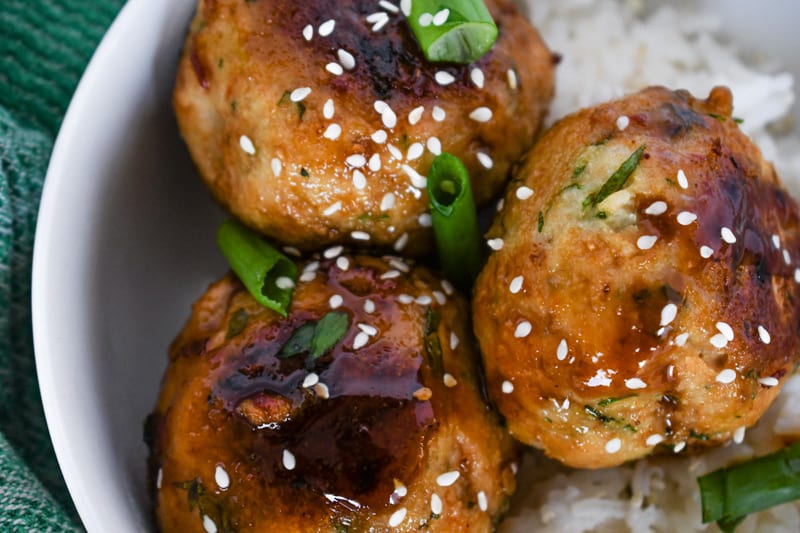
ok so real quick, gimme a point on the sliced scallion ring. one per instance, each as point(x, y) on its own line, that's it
point(456, 31)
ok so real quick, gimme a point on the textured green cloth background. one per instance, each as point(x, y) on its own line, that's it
point(44, 47)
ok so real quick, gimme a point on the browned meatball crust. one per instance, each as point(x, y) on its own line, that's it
point(657, 312)
point(386, 430)
point(314, 128)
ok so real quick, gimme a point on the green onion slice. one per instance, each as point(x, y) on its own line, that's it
point(617, 180)
point(730, 494)
point(456, 31)
point(455, 221)
point(269, 275)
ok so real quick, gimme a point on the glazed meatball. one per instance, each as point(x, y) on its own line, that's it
point(359, 411)
point(646, 294)
point(315, 124)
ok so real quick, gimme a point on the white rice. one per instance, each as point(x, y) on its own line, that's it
point(610, 48)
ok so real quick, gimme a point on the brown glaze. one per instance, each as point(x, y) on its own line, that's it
point(241, 63)
point(588, 281)
point(239, 403)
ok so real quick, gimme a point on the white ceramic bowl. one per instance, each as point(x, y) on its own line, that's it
point(125, 242)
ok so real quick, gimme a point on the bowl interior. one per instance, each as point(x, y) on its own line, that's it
point(125, 243)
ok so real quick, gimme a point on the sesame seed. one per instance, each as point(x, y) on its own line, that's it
point(277, 166)
point(623, 122)
point(449, 380)
point(388, 118)
point(562, 350)
point(356, 160)
point(434, 145)
point(379, 137)
point(369, 306)
point(306, 277)
point(291, 250)
point(614, 445)
point(719, 341)
point(523, 192)
point(679, 447)
point(454, 340)
point(438, 114)
point(424, 300)
point(483, 503)
point(425, 220)
point(436, 502)
point(401, 242)
point(448, 478)
point(359, 180)
point(321, 390)
point(425, 20)
point(415, 151)
point(727, 235)
point(209, 525)
point(335, 301)
point(343, 263)
point(299, 94)
point(500, 204)
point(786, 257)
point(405, 299)
point(334, 68)
point(221, 478)
point(380, 20)
point(516, 284)
point(422, 394)
point(738, 435)
point(776, 242)
point(387, 202)
point(332, 132)
point(726, 376)
point(308, 32)
point(726, 330)
point(681, 339)
point(441, 17)
point(654, 439)
point(768, 381)
point(656, 208)
point(310, 380)
point(313, 266)
point(481, 114)
point(668, 314)
point(448, 287)
point(417, 180)
point(682, 181)
point(763, 334)
point(485, 160)
point(346, 59)
point(388, 6)
point(645, 242)
point(685, 218)
point(797, 275)
point(511, 75)
point(395, 152)
point(507, 387)
point(495, 244)
point(706, 252)
point(288, 460)
point(326, 28)
point(361, 340)
point(333, 208)
point(328, 109)
point(369, 330)
point(477, 77)
point(415, 115)
point(360, 235)
point(523, 329)
point(444, 78)
point(439, 297)
point(635, 383)
point(397, 517)
point(398, 264)
point(247, 145)
point(160, 476)
point(284, 283)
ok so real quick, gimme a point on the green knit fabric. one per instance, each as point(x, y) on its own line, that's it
point(44, 47)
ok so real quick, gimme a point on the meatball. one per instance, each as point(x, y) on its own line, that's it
point(646, 294)
point(316, 122)
point(360, 411)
